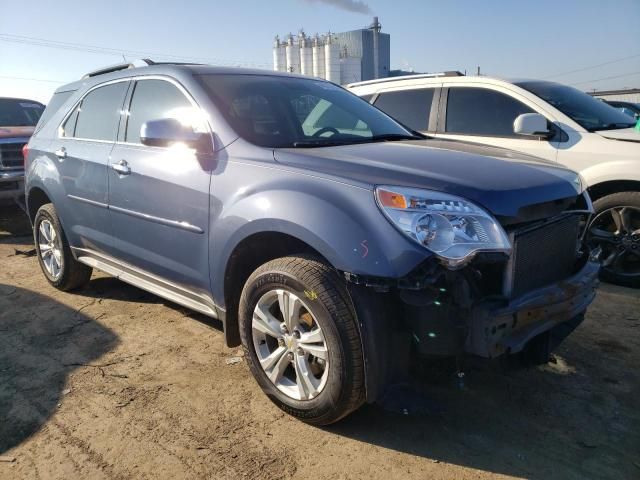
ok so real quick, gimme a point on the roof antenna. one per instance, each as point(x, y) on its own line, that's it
point(124, 58)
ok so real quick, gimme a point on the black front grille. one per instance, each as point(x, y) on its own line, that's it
point(11, 155)
point(544, 255)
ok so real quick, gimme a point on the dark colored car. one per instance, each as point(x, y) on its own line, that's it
point(18, 118)
point(333, 243)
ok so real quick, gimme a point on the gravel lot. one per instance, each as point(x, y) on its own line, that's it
point(112, 382)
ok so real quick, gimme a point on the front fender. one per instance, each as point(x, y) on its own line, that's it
point(612, 171)
point(342, 222)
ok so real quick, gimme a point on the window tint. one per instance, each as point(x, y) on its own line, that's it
point(479, 111)
point(99, 113)
point(15, 112)
point(585, 110)
point(409, 107)
point(53, 106)
point(154, 100)
point(284, 112)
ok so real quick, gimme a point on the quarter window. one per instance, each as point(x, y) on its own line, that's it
point(480, 111)
point(155, 100)
point(410, 107)
point(98, 114)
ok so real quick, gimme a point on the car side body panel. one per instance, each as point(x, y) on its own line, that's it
point(340, 221)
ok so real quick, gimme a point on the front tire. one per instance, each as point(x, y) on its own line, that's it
point(301, 341)
point(616, 229)
point(59, 266)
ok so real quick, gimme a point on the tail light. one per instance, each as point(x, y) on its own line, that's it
point(25, 152)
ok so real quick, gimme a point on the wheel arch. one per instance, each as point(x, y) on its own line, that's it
point(602, 189)
point(35, 198)
point(247, 255)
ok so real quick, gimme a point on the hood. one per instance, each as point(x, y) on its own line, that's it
point(624, 134)
point(502, 181)
point(18, 132)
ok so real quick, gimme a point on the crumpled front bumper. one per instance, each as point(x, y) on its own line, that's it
point(497, 330)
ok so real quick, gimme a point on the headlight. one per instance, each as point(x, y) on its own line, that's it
point(453, 228)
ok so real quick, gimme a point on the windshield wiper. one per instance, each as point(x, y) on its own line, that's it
point(612, 126)
point(390, 137)
point(328, 142)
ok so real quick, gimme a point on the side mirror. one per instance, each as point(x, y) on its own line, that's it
point(169, 131)
point(531, 125)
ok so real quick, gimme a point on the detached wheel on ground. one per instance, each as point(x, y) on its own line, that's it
point(616, 229)
point(301, 341)
point(59, 266)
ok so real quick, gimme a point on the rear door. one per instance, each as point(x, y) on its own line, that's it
point(82, 149)
point(159, 197)
point(486, 115)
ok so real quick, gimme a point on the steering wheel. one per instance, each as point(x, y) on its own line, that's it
point(325, 130)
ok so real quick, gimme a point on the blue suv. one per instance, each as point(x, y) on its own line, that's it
point(335, 244)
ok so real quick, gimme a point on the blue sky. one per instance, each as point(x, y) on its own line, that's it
point(540, 39)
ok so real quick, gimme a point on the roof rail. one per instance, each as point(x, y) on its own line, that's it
point(450, 73)
point(120, 66)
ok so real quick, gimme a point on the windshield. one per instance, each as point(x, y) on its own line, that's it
point(588, 112)
point(19, 113)
point(274, 111)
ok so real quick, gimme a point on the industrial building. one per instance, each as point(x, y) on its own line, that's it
point(626, 95)
point(342, 58)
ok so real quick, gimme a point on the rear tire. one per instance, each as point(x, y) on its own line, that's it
point(59, 266)
point(320, 299)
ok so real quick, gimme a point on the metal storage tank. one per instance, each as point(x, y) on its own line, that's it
point(350, 70)
point(317, 52)
point(332, 60)
point(279, 60)
point(306, 56)
point(292, 52)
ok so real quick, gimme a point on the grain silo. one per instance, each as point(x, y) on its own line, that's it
point(331, 59)
point(292, 53)
point(279, 58)
point(306, 55)
point(318, 56)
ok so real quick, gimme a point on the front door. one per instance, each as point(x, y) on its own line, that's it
point(159, 197)
point(483, 115)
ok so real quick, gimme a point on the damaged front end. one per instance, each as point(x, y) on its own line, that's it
point(525, 301)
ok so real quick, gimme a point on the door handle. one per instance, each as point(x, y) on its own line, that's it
point(61, 153)
point(122, 167)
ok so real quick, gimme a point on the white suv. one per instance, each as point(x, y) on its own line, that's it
point(545, 119)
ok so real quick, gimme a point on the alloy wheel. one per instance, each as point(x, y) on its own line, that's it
point(617, 231)
point(290, 345)
point(50, 249)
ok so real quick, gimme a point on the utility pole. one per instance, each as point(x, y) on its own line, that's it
point(478, 70)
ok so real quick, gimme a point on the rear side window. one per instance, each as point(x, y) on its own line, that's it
point(99, 113)
point(53, 106)
point(153, 100)
point(480, 111)
point(409, 107)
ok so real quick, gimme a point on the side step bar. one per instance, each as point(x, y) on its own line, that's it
point(146, 281)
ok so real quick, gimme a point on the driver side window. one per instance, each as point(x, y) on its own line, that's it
point(155, 100)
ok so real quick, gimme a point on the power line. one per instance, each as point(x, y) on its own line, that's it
point(592, 66)
point(20, 39)
point(31, 79)
point(607, 78)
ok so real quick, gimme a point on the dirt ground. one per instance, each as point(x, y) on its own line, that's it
point(112, 382)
